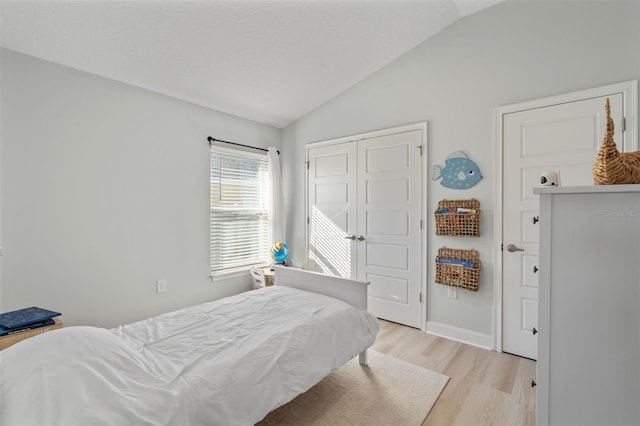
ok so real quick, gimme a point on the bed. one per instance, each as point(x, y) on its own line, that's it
point(226, 362)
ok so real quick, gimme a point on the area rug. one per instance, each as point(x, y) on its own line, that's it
point(388, 391)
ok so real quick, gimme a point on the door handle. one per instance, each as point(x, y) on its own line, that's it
point(360, 238)
point(350, 237)
point(512, 248)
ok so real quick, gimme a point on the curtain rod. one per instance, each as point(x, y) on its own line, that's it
point(212, 140)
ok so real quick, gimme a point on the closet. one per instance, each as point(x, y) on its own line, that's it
point(364, 216)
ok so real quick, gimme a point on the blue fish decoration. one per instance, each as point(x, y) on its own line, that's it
point(458, 173)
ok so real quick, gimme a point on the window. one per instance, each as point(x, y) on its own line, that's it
point(239, 226)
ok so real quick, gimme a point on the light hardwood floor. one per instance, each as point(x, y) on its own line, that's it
point(485, 387)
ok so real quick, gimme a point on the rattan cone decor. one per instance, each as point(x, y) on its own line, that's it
point(613, 167)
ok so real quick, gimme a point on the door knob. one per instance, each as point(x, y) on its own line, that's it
point(533, 383)
point(360, 238)
point(534, 331)
point(350, 237)
point(535, 269)
point(536, 219)
point(512, 248)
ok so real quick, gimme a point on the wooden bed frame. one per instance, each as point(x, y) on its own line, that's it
point(350, 291)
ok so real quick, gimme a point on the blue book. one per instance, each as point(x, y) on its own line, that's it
point(45, 323)
point(25, 317)
point(456, 262)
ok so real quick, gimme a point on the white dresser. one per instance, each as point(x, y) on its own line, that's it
point(588, 370)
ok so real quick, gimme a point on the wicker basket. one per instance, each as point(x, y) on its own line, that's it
point(455, 224)
point(451, 271)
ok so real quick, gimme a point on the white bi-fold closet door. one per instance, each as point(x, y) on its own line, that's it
point(365, 217)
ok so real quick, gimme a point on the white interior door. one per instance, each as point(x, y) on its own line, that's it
point(562, 137)
point(389, 212)
point(365, 209)
point(332, 196)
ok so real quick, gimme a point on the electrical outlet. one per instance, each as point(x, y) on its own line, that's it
point(452, 292)
point(161, 286)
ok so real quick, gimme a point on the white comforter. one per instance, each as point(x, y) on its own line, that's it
point(228, 362)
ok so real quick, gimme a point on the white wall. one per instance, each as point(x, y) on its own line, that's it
point(509, 53)
point(103, 185)
point(103, 191)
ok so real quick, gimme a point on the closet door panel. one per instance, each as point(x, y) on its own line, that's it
point(365, 210)
point(389, 211)
point(332, 209)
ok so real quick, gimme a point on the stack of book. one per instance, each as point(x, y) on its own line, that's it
point(26, 319)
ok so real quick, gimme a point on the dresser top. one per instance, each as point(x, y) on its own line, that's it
point(585, 189)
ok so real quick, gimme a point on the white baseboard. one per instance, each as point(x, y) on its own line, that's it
point(484, 341)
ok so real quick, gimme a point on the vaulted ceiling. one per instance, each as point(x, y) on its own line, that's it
point(268, 61)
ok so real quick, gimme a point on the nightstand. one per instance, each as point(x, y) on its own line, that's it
point(12, 339)
point(269, 275)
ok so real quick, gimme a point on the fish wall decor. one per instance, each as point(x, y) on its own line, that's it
point(458, 173)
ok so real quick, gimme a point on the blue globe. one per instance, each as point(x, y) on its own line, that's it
point(280, 252)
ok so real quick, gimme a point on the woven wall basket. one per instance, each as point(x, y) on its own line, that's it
point(613, 167)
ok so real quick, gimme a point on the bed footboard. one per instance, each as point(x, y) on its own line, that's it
point(350, 291)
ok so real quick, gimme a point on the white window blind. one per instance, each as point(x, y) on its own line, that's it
point(239, 214)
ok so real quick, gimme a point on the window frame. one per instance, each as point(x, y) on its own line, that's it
point(239, 270)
